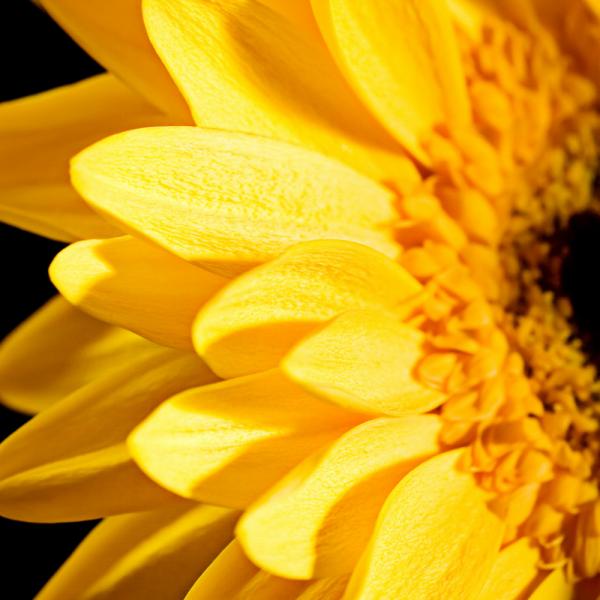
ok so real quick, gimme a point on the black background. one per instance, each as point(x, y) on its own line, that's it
point(35, 55)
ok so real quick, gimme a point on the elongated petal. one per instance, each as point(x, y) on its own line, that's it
point(38, 136)
point(227, 443)
point(134, 284)
point(515, 573)
point(331, 588)
point(435, 538)
point(244, 67)
point(155, 554)
point(58, 350)
point(402, 58)
point(252, 323)
point(70, 462)
point(234, 577)
point(554, 587)
point(228, 201)
point(318, 520)
point(113, 32)
point(364, 360)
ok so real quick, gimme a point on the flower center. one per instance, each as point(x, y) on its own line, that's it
point(500, 236)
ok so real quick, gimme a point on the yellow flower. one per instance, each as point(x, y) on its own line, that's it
point(338, 305)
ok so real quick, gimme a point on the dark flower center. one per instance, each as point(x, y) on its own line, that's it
point(571, 272)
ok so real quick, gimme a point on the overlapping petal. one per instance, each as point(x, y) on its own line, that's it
point(554, 587)
point(155, 554)
point(412, 79)
point(227, 443)
point(259, 72)
point(252, 323)
point(38, 136)
point(113, 32)
point(59, 350)
point(364, 360)
point(234, 577)
point(435, 538)
point(317, 521)
point(228, 201)
point(136, 285)
point(515, 573)
point(70, 462)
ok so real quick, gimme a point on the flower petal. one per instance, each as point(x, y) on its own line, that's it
point(134, 284)
point(317, 521)
point(228, 201)
point(364, 360)
point(435, 538)
point(38, 136)
point(332, 588)
point(234, 577)
point(554, 587)
point(514, 574)
point(58, 350)
point(155, 554)
point(256, 71)
point(248, 433)
point(253, 322)
point(113, 32)
point(402, 58)
point(70, 462)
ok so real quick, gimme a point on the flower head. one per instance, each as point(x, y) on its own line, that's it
point(342, 302)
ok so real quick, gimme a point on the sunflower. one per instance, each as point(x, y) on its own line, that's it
point(320, 333)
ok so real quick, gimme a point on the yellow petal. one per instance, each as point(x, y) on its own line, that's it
point(402, 58)
point(136, 285)
point(554, 587)
point(332, 588)
point(58, 350)
point(233, 577)
point(252, 323)
point(228, 201)
point(244, 67)
point(38, 136)
point(155, 554)
point(514, 574)
point(364, 360)
point(227, 443)
point(435, 538)
point(113, 32)
point(295, 11)
point(317, 521)
point(70, 462)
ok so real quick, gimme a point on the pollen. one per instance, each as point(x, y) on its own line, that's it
point(497, 237)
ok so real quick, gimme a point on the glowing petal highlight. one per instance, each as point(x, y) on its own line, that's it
point(58, 350)
point(259, 72)
point(136, 285)
point(113, 32)
point(70, 462)
point(155, 554)
point(410, 75)
point(317, 521)
point(364, 360)
point(435, 538)
point(248, 433)
point(252, 323)
point(38, 136)
point(228, 201)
